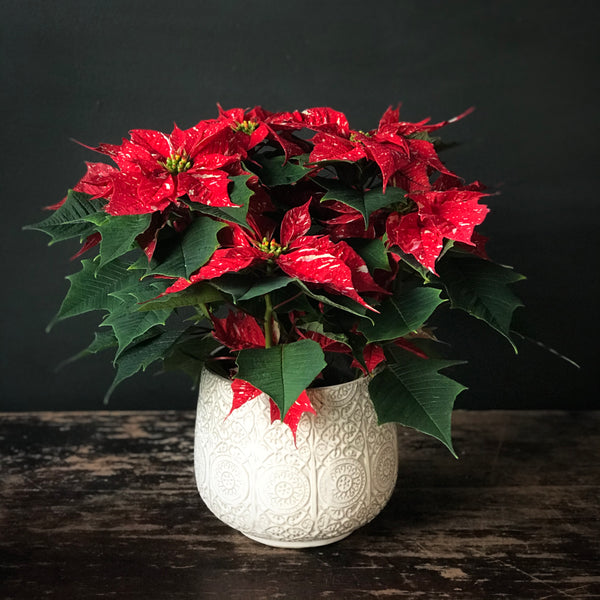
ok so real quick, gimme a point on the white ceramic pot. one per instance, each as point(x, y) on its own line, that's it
point(254, 478)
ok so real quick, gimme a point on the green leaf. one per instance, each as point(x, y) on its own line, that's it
point(119, 233)
point(318, 327)
point(140, 291)
point(410, 391)
point(143, 264)
point(128, 326)
point(480, 288)
point(91, 288)
point(142, 355)
point(245, 287)
point(195, 295)
point(273, 171)
point(103, 340)
point(189, 355)
point(127, 322)
point(191, 250)
point(410, 261)
point(343, 303)
point(401, 314)
point(282, 372)
point(373, 252)
point(71, 219)
point(365, 202)
point(240, 194)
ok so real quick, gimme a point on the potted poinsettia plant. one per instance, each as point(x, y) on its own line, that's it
point(286, 252)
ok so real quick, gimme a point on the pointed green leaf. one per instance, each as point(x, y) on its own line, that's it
point(195, 295)
point(141, 291)
point(411, 262)
point(318, 327)
point(190, 251)
point(282, 372)
point(480, 288)
point(103, 340)
point(343, 303)
point(143, 264)
point(245, 287)
point(365, 202)
point(128, 326)
point(410, 391)
point(401, 314)
point(240, 194)
point(91, 288)
point(119, 233)
point(274, 171)
point(190, 355)
point(373, 252)
point(127, 322)
point(142, 355)
point(72, 218)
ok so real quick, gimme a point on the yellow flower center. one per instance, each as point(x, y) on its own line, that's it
point(247, 127)
point(354, 135)
point(178, 162)
point(270, 247)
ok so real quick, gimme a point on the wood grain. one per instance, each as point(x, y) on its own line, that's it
point(104, 505)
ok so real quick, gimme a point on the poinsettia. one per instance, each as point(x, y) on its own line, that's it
point(312, 259)
point(285, 250)
point(441, 214)
point(156, 169)
point(389, 146)
point(237, 131)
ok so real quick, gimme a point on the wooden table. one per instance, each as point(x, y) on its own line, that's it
point(104, 505)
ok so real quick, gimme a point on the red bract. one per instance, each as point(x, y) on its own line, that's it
point(349, 222)
point(396, 154)
point(312, 259)
point(244, 392)
point(98, 181)
point(238, 331)
point(373, 356)
point(295, 412)
point(91, 242)
point(156, 169)
point(441, 214)
point(326, 343)
point(406, 345)
point(390, 120)
point(237, 131)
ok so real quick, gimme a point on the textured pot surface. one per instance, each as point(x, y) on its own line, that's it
point(253, 477)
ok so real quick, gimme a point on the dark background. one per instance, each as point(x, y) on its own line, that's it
point(92, 70)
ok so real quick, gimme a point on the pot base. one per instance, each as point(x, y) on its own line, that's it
point(298, 544)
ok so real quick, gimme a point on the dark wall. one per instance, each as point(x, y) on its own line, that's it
point(93, 70)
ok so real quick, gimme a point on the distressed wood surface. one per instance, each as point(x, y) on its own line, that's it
point(104, 505)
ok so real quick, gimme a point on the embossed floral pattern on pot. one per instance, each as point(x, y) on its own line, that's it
point(252, 476)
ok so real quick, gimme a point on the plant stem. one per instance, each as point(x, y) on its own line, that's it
point(204, 310)
point(268, 321)
point(288, 300)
